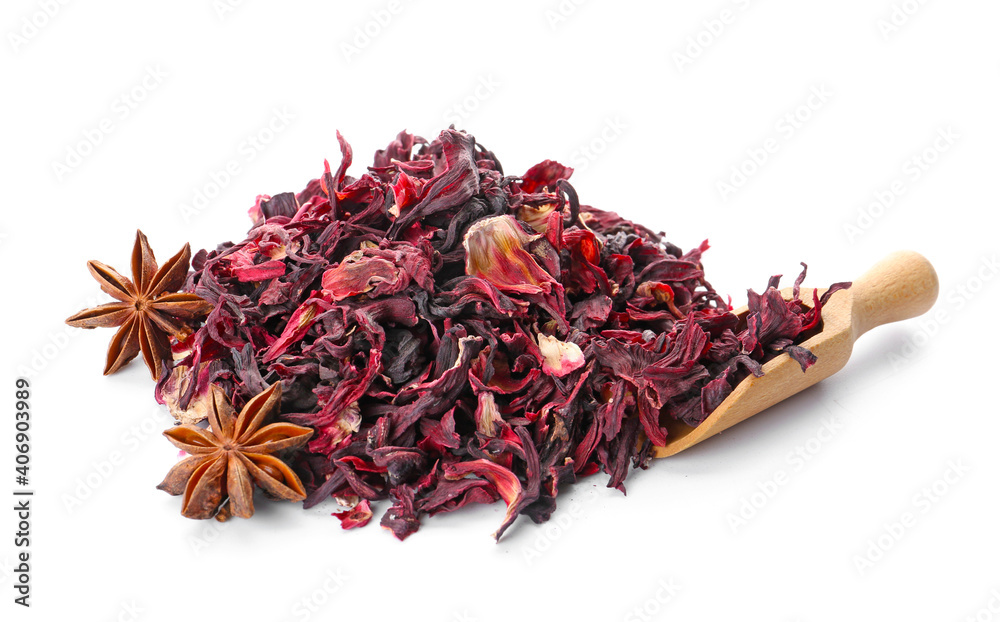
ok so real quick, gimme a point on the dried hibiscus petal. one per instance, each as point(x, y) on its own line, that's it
point(455, 335)
point(358, 516)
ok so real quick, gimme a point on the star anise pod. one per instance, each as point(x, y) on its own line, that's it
point(226, 459)
point(149, 309)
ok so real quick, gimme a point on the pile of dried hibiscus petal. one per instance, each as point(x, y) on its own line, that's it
point(450, 335)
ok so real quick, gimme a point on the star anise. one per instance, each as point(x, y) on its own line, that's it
point(149, 311)
point(234, 453)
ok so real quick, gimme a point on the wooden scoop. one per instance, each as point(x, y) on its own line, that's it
point(901, 286)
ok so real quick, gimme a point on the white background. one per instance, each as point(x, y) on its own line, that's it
point(654, 104)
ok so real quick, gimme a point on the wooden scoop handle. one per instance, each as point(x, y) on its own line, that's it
point(901, 286)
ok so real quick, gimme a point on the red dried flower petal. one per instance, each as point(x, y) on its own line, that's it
point(475, 336)
point(358, 516)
